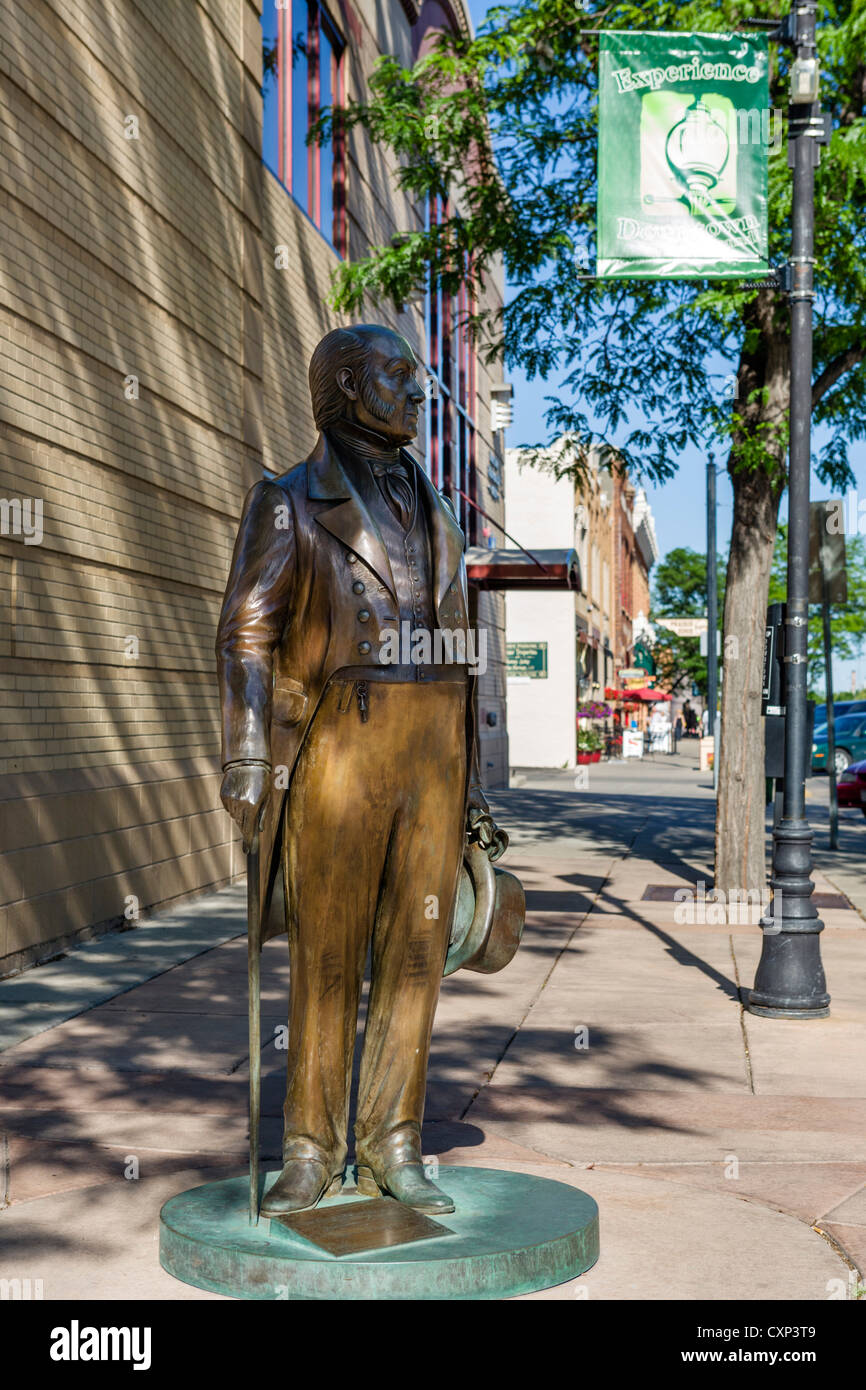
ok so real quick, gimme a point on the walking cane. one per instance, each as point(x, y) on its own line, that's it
point(254, 960)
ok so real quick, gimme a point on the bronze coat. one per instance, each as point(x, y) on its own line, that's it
point(290, 616)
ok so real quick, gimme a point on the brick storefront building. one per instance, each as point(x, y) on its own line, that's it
point(616, 542)
point(166, 245)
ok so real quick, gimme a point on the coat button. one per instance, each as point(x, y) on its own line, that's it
point(351, 557)
point(454, 588)
point(357, 587)
point(363, 616)
point(363, 648)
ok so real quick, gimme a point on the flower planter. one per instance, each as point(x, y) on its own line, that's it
point(595, 757)
point(584, 757)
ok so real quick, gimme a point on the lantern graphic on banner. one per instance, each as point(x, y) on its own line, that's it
point(697, 149)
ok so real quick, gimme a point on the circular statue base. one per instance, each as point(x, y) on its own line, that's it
point(510, 1234)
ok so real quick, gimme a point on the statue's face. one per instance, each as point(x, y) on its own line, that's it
point(383, 394)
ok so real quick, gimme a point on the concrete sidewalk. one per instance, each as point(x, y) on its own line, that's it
point(725, 1151)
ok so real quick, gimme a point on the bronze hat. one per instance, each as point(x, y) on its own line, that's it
point(488, 916)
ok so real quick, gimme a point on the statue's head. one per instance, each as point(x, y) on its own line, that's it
point(365, 375)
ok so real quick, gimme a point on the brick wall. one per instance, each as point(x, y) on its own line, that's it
point(123, 411)
point(153, 362)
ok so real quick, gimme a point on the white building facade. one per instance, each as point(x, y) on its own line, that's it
point(540, 626)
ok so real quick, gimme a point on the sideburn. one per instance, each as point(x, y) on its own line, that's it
point(371, 400)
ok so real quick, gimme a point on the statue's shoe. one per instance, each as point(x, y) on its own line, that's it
point(409, 1184)
point(302, 1184)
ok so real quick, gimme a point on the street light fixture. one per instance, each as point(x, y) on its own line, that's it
point(789, 982)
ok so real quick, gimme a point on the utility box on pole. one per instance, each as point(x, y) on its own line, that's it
point(772, 692)
point(773, 696)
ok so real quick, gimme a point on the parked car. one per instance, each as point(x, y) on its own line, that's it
point(851, 787)
point(840, 707)
point(850, 732)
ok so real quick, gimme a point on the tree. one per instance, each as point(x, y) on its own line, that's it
point(847, 620)
point(506, 124)
point(680, 584)
point(680, 591)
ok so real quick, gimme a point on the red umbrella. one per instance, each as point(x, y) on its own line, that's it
point(646, 694)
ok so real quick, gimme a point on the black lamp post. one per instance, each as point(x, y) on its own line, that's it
point(712, 609)
point(789, 982)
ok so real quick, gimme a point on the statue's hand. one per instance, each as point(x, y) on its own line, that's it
point(243, 793)
point(476, 800)
point(482, 829)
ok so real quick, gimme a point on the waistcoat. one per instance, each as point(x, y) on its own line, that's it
point(409, 557)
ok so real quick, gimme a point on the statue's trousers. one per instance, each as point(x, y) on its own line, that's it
point(372, 846)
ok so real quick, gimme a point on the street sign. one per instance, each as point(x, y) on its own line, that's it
point(683, 627)
point(527, 660)
point(772, 684)
point(826, 555)
point(683, 138)
point(705, 642)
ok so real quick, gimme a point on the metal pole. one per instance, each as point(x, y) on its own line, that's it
point(789, 982)
point(712, 616)
point(254, 964)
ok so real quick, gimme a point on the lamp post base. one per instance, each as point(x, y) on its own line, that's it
point(765, 1010)
point(789, 981)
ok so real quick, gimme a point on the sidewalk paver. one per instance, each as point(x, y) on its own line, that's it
point(725, 1151)
point(99, 970)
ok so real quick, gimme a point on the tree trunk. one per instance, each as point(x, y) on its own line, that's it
point(740, 813)
point(758, 476)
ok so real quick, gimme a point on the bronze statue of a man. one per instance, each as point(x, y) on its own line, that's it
point(359, 769)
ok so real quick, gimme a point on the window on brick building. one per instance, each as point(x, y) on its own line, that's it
point(625, 578)
point(451, 367)
point(304, 74)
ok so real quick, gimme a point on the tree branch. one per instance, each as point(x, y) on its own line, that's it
point(833, 370)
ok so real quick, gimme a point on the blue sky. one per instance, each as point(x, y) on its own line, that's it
point(679, 506)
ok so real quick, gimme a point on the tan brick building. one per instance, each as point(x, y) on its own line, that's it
point(616, 543)
point(163, 287)
point(594, 611)
point(634, 551)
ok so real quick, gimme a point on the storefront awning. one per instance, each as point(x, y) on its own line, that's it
point(516, 569)
point(641, 693)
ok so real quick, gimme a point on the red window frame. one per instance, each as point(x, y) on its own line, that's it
point(452, 408)
point(311, 201)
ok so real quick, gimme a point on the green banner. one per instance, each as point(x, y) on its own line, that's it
point(683, 133)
